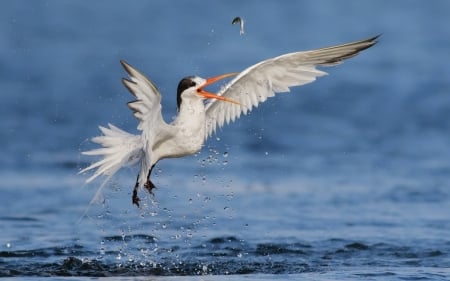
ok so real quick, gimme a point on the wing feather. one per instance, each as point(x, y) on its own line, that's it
point(276, 75)
point(147, 110)
point(147, 106)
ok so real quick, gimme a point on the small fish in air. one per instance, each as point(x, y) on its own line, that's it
point(239, 20)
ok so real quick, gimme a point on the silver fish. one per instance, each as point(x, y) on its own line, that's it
point(241, 21)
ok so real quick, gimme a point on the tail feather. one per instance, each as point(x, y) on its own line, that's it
point(119, 149)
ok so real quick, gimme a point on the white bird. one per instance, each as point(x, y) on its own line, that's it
point(196, 121)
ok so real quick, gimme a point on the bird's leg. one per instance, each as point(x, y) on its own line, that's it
point(149, 185)
point(135, 197)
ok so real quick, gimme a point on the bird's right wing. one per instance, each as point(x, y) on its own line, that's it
point(276, 75)
point(147, 109)
point(147, 106)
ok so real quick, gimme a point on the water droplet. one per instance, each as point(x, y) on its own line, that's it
point(225, 154)
point(164, 226)
point(224, 162)
point(8, 245)
point(266, 153)
point(239, 255)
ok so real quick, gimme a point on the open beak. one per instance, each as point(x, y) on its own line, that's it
point(209, 81)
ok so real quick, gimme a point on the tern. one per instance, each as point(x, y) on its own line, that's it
point(197, 120)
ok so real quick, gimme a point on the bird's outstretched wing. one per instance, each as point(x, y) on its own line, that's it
point(276, 75)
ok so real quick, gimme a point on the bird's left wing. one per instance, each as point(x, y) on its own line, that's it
point(262, 80)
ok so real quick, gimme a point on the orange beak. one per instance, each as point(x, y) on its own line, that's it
point(209, 81)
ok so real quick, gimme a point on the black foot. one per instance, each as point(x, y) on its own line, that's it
point(149, 186)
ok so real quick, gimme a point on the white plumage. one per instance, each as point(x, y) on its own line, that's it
point(195, 121)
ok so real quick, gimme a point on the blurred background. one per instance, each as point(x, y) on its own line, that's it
point(362, 154)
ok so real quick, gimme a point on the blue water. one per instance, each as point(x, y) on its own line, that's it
point(343, 179)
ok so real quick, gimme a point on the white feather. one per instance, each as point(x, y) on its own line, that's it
point(276, 75)
point(195, 122)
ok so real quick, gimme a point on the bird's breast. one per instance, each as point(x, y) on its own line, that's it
point(188, 134)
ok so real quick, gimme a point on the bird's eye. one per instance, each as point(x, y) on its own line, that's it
point(193, 84)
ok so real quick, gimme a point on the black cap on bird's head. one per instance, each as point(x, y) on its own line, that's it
point(184, 84)
point(189, 81)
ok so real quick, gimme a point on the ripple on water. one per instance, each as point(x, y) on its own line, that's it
point(232, 255)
